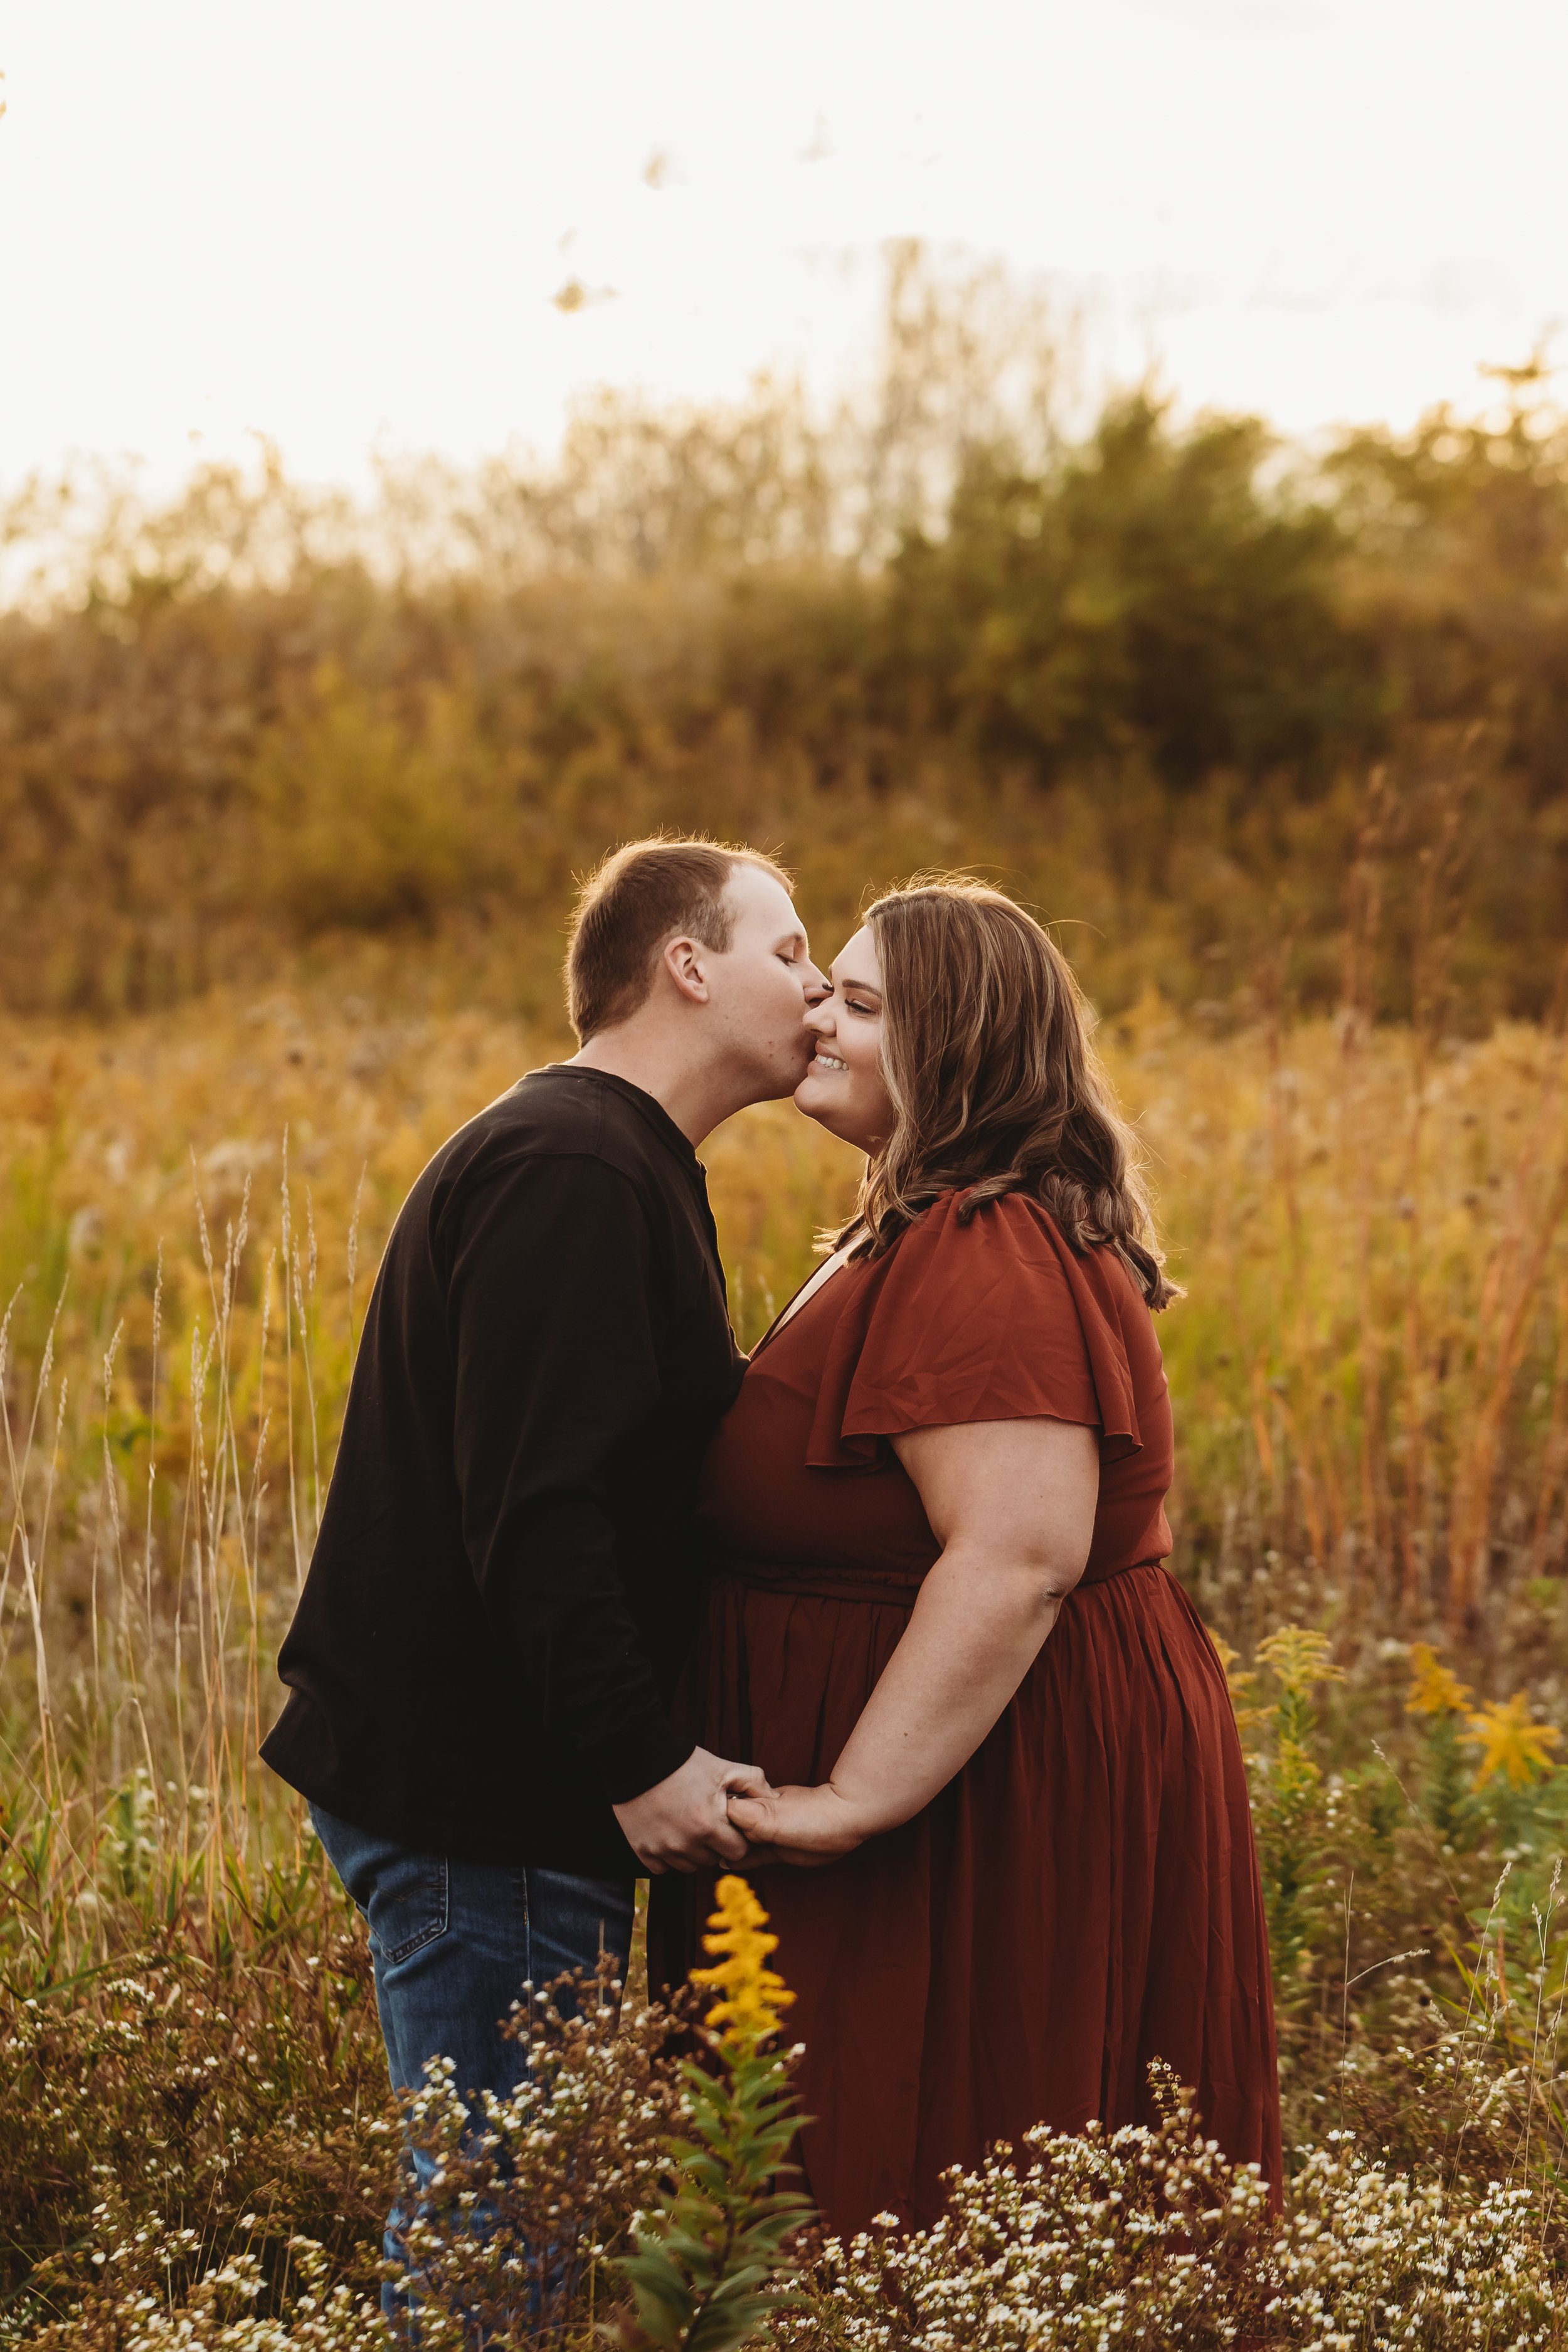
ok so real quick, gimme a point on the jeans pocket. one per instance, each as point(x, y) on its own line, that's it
point(410, 1905)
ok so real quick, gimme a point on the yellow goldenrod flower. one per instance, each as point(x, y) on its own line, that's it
point(1237, 1685)
point(753, 1995)
point(1435, 1688)
point(1509, 1742)
point(1297, 1657)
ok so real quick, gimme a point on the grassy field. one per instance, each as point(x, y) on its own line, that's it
point(1372, 1425)
point(292, 794)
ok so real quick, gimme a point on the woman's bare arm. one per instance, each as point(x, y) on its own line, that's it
point(1012, 1504)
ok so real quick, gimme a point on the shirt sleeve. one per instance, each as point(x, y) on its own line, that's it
point(551, 1323)
point(988, 1320)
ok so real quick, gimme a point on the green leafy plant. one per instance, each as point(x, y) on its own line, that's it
point(1291, 1825)
point(710, 2265)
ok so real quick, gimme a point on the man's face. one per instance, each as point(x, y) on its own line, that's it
point(763, 985)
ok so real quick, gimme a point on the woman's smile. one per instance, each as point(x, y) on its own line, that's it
point(857, 1108)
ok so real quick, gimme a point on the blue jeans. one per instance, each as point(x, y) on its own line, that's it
point(453, 1944)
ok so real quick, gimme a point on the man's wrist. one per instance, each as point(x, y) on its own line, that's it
point(642, 1756)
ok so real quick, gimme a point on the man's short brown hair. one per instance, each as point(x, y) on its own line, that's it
point(641, 896)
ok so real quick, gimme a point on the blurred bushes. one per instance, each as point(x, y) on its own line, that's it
point(1459, 584)
point(1142, 596)
point(367, 815)
point(1141, 674)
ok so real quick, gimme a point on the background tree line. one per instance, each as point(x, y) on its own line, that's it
point(1172, 681)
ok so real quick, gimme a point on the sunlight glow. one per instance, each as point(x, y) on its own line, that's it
point(368, 222)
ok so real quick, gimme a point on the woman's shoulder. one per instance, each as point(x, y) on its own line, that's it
point(1014, 1230)
point(978, 1312)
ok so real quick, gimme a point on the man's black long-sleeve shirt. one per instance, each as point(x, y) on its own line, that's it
point(503, 1589)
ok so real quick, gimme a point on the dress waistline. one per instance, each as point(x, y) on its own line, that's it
point(887, 1589)
point(884, 1589)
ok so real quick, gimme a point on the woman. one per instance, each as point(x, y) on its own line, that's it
point(1009, 1852)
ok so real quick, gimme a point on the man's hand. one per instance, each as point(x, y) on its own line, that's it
point(804, 1826)
point(682, 1823)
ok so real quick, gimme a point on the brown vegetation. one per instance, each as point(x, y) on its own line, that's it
point(291, 796)
point(1140, 674)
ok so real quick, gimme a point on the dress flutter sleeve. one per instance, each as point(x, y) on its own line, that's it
point(994, 1319)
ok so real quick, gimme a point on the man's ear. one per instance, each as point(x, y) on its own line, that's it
point(684, 960)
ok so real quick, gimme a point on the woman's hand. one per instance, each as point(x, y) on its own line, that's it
point(1013, 1504)
point(681, 1825)
point(804, 1826)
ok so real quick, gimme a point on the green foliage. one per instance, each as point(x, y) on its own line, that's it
point(1460, 582)
point(710, 2266)
point(1291, 1808)
point(1427, 2145)
point(1134, 673)
point(366, 822)
point(1447, 1782)
point(1143, 594)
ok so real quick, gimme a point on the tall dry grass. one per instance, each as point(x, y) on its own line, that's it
point(1367, 1367)
point(194, 1212)
point(1367, 1372)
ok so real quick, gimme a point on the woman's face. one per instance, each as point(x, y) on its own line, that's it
point(842, 1088)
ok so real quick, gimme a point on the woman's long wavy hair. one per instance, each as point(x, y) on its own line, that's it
point(995, 1085)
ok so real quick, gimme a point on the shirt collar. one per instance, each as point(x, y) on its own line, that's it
point(657, 1117)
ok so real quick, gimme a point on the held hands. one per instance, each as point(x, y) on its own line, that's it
point(714, 1811)
point(682, 1823)
point(807, 1827)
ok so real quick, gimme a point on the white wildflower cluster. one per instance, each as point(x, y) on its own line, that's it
point(1373, 2258)
point(516, 2230)
point(1149, 2238)
point(1126, 2239)
point(219, 2314)
point(521, 2217)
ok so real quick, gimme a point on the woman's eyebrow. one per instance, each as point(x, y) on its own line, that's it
point(862, 987)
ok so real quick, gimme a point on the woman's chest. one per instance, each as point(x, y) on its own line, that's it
point(759, 1499)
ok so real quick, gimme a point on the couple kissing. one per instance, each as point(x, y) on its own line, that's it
point(880, 1617)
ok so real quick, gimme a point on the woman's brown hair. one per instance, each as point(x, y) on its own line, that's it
point(995, 1083)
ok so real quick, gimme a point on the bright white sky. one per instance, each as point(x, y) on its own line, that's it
point(342, 221)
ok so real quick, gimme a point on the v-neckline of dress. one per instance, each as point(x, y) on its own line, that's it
point(796, 1304)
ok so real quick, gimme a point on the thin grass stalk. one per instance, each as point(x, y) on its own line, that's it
point(1510, 1295)
point(1554, 1454)
point(288, 1256)
point(18, 1472)
point(1473, 1977)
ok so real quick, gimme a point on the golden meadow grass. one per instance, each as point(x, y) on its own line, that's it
point(362, 754)
point(1366, 1368)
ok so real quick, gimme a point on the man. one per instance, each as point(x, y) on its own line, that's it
point(501, 1593)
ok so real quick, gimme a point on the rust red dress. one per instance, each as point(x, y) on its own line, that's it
point(1083, 1896)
